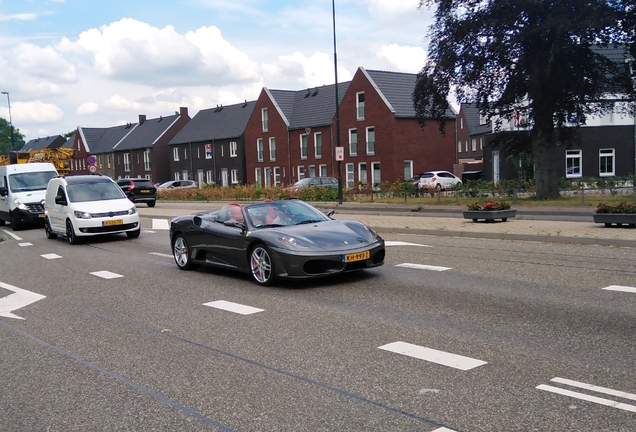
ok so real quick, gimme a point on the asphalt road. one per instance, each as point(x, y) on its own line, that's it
point(525, 339)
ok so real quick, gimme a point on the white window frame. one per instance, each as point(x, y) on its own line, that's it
point(175, 154)
point(127, 162)
point(272, 149)
point(574, 155)
point(312, 170)
point(408, 170)
point(366, 173)
point(353, 147)
point(350, 173)
point(322, 169)
point(303, 146)
point(473, 143)
point(209, 177)
point(360, 105)
point(147, 160)
point(459, 146)
point(605, 154)
point(276, 176)
point(234, 176)
point(267, 175)
point(264, 119)
point(259, 149)
point(233, 149)
point(376, 182)
point(257, 175)
point(301, 172)
point(370, 144)
point(318, 145)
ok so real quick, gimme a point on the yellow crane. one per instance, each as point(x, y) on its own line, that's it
point(60, 157)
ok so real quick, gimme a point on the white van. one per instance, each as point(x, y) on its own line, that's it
point(22, 190)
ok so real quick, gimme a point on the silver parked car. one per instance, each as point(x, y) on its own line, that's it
point(439, 180)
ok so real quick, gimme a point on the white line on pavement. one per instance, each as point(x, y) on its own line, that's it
point(597, 389)
point(443, 429)
point(620, 288)
point(401, 243)
point(581, 396)
point(432, 355)
point(50, 256)
point(423, 267)
point(25, 244)
point(15, 237)
point(160, 254)
point(19, 299)
point(160, 224)
point(233, 307)
point(106, 274)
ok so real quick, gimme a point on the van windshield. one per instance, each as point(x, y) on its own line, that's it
point(30, 181)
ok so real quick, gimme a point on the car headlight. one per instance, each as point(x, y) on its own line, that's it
point(19, 204)
point(132, 210)
point(82, 215)
point(293, 242)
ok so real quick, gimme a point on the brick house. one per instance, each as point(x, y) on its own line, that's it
point(98, 142)
point(145, 151)
point(211, 147)
point(290, 135)
point(472, 131)
point(382, 138)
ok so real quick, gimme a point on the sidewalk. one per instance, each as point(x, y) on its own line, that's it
point(401, 219)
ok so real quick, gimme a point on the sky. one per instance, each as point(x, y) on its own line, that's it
point(102, 63)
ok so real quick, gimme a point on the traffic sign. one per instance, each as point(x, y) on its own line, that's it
point(91, 160)
point(92, 168)
point(339, 153)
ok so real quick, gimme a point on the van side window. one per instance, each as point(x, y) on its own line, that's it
point(60, 193)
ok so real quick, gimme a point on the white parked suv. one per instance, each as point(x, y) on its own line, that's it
point(88, 205)
point(439, 180)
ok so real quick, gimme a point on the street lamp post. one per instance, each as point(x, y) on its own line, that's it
point(10, 119)
point(335, 62)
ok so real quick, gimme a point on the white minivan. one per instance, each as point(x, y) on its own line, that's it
point(22, 189)
point(88, 205)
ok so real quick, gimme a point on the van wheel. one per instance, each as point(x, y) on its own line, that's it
point(70, 233)
point(47, 229)
point(15, 223)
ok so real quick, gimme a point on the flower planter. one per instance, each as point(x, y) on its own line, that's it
point(619, 219)
point(490, 215)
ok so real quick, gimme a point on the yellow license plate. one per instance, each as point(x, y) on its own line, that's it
point(357, 256)
point(113, 222)
point(41, 215)
point(145, 191)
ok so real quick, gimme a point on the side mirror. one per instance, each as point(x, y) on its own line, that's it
point(60, 201)
point(330, 213)
point(3, 191)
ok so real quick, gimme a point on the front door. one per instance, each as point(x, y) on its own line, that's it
point(200, 178)
point(224, 177)
point(495, 166)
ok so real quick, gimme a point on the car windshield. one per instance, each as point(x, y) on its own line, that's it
point(283, 213)
point(31, 181)
point(85, 192)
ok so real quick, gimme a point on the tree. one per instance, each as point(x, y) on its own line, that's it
point(501, 54)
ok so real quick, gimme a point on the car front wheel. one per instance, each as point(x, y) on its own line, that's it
point(71, 238)
point(47, 229)
point(133, 234)
point(181, 253)
point(262, 266)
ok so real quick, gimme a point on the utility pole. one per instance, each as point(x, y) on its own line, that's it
point(10, 119)
point(335, 62)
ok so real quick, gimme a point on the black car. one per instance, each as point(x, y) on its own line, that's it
point(326, 182)
point(139, 190)
point(274, 239)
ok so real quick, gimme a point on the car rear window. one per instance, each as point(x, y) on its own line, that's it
point(143, 183)
point(427, 175)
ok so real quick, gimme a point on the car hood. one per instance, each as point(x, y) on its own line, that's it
point(333, 235)
point(104, 206)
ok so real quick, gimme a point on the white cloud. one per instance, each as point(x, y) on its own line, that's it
point(393, 10)
point(35, 112)
point(87, 108)
point(43, 62)
point(313, 71)
point(405, 58)
point(19, 17)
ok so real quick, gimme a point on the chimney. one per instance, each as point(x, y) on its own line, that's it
point(183, 111)
point(142, 118)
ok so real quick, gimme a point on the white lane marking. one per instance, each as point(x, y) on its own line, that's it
point(50, 256)
point(620, 288)
point(160, 224)
point(581, 396)
point(597, 389)
point(160, 254)
point(19, 299)
point(106, 274)
point(233, 307)
point(443, 429)
point(423, 267)
point(25, 244)
point(15, 237)
point(401, 243)
point(150, 231)
point(432, 355)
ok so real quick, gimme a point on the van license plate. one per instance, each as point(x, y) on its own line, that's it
point(113, 222)
point(356, 256)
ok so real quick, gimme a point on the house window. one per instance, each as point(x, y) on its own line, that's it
point(375, 174)
point(323, 170)
point(483, 119)
point(127, 162)
point(474, 144)
point(148, 177)
point(272, 149)
point(233, 149)
point(573, 160)
point(265, 119)
point(362, 173)
point(370, 141)
point(318, 145)
point(234, 175)
point(312, 170)
point(606, 162)
point(100, 162)
point(353, 142)
point(259, 149)
point(175, 154)
point(209, 178)
point(408, 170)
point(257, 174)
point(481, 143)
point(360, 105)
point(303, 146)
point(466, 146)
point(185, 153)
point(108, 160)
point(301, 172)
point(461, 122)
point(222, 151)
point(350, 175)
point(147, 160)
point(208, 151)
point(459, 146)
point(276, 176)
point(268, 177)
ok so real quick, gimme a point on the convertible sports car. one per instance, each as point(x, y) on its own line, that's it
point(274, 239)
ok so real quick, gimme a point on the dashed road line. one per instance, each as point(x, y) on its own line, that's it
point(401, 243)
point(160, 254)
point(423, 267)
point(590, 398)
point(434, 356)
point(51, 256)
point(620, 288)
point(160, 224)
point(25, 244)
point(106, 274)
point(9, 233)
point(233, 307)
